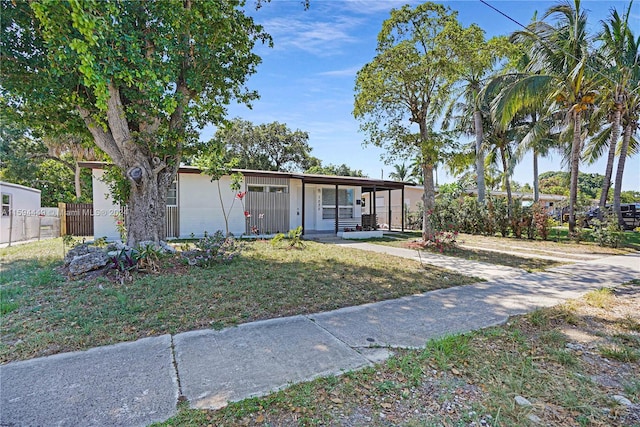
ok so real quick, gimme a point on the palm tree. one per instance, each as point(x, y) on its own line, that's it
point(401, 173)
point(533, 125)
point(630, 122)
point(560, 73)
point(618, 57)
point(479, 58)
point(499, 144)
point(621, 53)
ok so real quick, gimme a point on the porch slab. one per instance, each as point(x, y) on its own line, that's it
point(356, 235)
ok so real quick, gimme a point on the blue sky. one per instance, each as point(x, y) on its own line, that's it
point(307, 79)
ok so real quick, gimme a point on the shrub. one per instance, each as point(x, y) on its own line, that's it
point(414, 218)
point(472, 216)
point(442, 241)
point(515, 219)
point(294, 238)
point(607, 232)
point(148, 257)
point(501, 215)
point(213, 249)
point(541, 221)
point(123, 263)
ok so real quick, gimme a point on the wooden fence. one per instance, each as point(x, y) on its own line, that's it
point(76, 219)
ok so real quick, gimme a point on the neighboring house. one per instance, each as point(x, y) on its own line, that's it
point(275, 202)
point(20, 213)
point(552, 202)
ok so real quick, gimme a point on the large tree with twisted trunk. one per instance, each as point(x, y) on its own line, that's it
point(140, 76)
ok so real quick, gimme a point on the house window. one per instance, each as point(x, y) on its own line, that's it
point(345, 203)
point(267, 189)
point(6, 204)
point(278, 189)
point(172, 194)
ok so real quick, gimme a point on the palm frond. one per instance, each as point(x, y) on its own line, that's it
point(525, 92)
point(597, 145)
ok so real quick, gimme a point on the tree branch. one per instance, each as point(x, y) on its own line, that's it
point(103, 139)
point(71, 166)
point(117, 119)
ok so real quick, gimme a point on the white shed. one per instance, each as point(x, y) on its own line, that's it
point(21, 212)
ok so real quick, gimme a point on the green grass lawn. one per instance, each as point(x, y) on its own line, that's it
point(44, 313)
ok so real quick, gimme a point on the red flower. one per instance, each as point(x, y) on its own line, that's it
point(247, 214)
point(241, 195)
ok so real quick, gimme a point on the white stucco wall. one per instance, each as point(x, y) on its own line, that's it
point(201, 209)
point(295, 207)
point(24, 220)
point(104, 209)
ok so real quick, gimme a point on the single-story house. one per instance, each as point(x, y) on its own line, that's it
point(20, 212)
point(274, 202)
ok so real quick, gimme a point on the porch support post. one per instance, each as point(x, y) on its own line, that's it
point(370, 203)
point(389, 209)
point(373, 202)
point(403, 208)
point(303, 203)
point(337, 210)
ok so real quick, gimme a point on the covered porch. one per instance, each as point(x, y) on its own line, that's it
point(329, 204)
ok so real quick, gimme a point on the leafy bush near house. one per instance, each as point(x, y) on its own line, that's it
point(607, 233)
point(521, 219)
point(541, 221)
point(442, 241)
point(472, 216)
point(467, 215)
point(293, 237)
point(213, 249)
point(414, 218)
point(498, 216)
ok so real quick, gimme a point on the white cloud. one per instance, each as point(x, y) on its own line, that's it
point(346, 72)
point(322, 38)
point(369, 7)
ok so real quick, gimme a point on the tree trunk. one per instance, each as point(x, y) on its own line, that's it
point(429, 193)
point(617, 188)
point(507, 184)
point(613, 142)
point(429, 200)
point(146, 214)
point(536, 181)
point(148, 175)
point(576, 148)
point(77, 182)
point(477, 122)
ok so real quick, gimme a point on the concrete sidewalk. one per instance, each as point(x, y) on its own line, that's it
point(137, 383)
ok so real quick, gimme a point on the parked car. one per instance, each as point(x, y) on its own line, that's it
point(630, 215)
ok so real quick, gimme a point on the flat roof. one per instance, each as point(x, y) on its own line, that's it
point(19, 186)
point(367, 184)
